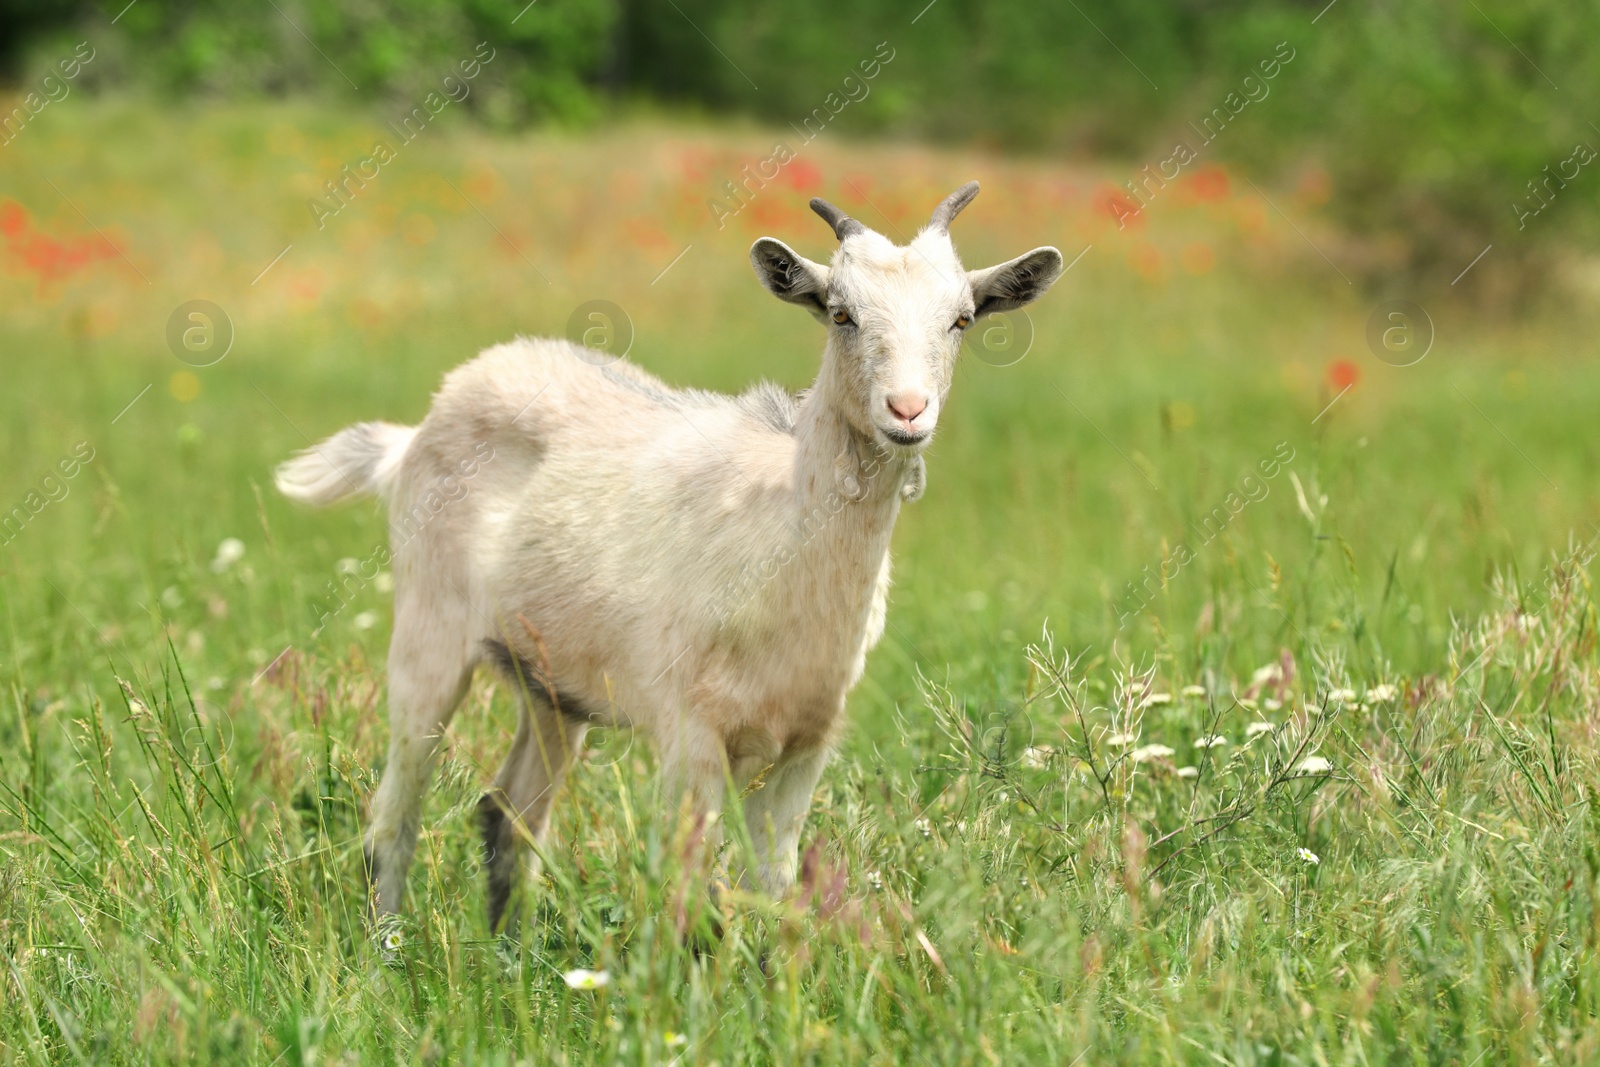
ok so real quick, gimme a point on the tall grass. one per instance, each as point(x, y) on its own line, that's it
point(1406, 872)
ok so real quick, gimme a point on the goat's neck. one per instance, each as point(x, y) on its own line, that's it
point(847, 487)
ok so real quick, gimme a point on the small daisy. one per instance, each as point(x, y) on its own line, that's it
point(1194, 691)
point(392, 941)
point(1256, 729)
point(1149, 752)
point(229, 552)
point(1210, 741)
point(581, 978)
point(1314, 765)
point(1188, 772)
point(875, 879)
point(1308, 856)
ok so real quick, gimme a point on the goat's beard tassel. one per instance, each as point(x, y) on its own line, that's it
point(916, 481)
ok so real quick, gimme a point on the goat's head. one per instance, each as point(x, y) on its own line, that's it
point(896, 314)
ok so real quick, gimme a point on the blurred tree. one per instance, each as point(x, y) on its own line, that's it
point(546, 55)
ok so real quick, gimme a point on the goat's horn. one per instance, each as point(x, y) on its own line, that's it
point(843, 225)
point(951, 206)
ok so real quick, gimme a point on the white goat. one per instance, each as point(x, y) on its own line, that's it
point(710, 568)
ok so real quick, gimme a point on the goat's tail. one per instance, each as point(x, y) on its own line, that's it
point(363, 458)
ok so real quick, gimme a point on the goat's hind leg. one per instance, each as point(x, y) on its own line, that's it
point(428, 675)
point(515, 813)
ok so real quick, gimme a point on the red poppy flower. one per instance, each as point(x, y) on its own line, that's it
point(1343, 374)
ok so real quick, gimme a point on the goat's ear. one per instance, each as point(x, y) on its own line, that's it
point(1016, 282)
point(788, 275)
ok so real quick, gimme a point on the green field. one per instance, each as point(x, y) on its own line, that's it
point(992, 877)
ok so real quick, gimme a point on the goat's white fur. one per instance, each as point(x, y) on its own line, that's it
point(712, 569)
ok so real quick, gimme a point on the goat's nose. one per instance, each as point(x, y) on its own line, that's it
point(907, 406)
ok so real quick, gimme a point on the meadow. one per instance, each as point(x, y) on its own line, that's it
point(1163, 758)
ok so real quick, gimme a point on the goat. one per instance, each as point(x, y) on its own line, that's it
point(710, 568)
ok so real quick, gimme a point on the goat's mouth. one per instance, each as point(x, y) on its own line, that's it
point(903, 439)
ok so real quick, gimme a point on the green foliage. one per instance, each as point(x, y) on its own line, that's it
point(1426, 123)
point(546, 56)
point(1429, 122)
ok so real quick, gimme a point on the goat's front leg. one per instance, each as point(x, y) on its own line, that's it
point(694, 774)
point(776, 813)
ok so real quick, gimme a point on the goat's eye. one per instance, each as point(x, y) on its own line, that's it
point(963, 320)
point(842, 317)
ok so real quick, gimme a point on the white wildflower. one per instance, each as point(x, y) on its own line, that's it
point(1194, 690)
point(1256, 729)
point(1210, 741)
point(229, 552)
point(582, 978)
point(1122, 740)
point(1342, 696)
point(1271, 705)
point(347, 566)
point(392, 941)
point(1270, 673)
point(1188, 772)
point(366, 620)
point(926, 827)
point(1382, 694)
point(1246, 702)
point(1156, 698)
point(1308, 856)
point(384, 582)
point(1149, 752)
point(875, 879)
point(1314, 765)
point(1036, 756)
